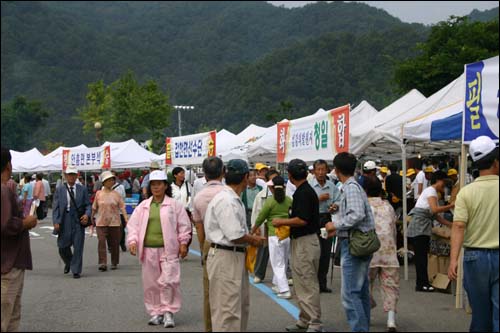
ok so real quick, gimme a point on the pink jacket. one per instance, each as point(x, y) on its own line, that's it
point(175, 225)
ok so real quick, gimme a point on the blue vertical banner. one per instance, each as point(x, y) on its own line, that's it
point(481, 100)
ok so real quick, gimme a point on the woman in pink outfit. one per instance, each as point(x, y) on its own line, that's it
point(158, 232)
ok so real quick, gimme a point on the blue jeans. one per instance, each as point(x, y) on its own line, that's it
point(481, 284)
point(355, 288)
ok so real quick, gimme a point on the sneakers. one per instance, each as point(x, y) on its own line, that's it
point(275, 289)
point(168, 320)
point(113, 267)
point(285, 295)
point(156, 320)
point(103, 268)
point(257, 280)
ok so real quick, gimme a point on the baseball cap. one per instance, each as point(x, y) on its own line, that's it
point(429, 169)
point(452, 172)
point(297, 165)
point(384, 169)
point(259, 166)
point(410, 172)
point(276, 181)
point(157, 175)
point(106, 175)
point(238, 166)
point(481, 147)
point(370, 165)
point(311, 168)
point(154, 165)
point(71, 169)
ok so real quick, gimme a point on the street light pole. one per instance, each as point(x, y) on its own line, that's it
point(179, 108)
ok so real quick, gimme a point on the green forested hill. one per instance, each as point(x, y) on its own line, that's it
point(235, 61)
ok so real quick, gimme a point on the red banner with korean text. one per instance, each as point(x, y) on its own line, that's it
point(282, 140)
point(341, 127)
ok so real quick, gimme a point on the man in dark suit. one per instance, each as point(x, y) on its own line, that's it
point(69, 227)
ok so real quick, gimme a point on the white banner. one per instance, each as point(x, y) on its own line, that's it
point(190, 149)
point(319, 136)
point(87, 159)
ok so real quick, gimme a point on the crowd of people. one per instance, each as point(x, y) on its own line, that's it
point(295, 219)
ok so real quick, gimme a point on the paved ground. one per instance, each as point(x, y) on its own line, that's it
point(112, 300)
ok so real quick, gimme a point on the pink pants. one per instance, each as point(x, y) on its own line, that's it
point(161, 282)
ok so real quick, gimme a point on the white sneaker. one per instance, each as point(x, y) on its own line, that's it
point(257, 280)
point(168, 320)
point(275, 289)
point(285, 295)
point(156, 320)
point(290, 282)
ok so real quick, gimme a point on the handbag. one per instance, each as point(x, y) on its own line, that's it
point(363, 243)
point(80, 211)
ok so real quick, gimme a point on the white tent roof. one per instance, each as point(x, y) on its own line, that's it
point(249, 134)
point(452, 103)
point(225, 140)
point(451, 94)
point(361, 137)
point(129, 154)
point(264, 149)
point(26, 161)
point(363, 113)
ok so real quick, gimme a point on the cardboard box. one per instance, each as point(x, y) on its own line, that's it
point(441, 281)
point(437, 265)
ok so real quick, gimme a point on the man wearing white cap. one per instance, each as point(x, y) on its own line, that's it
point(369, 169)
point(475, 226)
point(71, 212)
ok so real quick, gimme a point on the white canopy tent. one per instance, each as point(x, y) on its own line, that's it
point(362, 114)
point(129, 154)
point(26, 161)
point(363, 139)
point(241, 143)
point(225, 140)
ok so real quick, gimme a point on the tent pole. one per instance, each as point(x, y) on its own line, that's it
point(459, 298)
point(405, 208)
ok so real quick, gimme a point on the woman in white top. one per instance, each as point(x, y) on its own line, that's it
point(181, 190)
point(420, 228)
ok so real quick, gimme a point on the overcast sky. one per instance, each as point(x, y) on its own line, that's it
point(426, 12)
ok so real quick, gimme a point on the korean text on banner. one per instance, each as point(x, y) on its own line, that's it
point(190, 149)
point(321, 135)
point(87, 159)
point(481, 100)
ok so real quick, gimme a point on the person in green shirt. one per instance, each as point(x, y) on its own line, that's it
point(276, 206)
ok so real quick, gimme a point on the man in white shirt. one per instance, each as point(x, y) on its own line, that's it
point(226, 230)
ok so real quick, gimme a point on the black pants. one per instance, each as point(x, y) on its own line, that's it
point(122, 228)
point(326, 249)
point(421, 246)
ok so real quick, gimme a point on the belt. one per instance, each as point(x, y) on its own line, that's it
point(229, 248)
point(298, 236)
point(478, 249)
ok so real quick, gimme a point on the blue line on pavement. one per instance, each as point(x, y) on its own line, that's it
point(286, 305)
point(195, 252)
